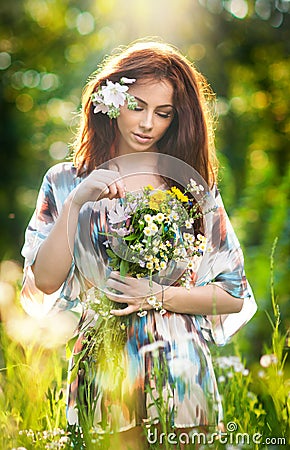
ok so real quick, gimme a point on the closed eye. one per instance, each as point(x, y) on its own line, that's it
point(164, 115)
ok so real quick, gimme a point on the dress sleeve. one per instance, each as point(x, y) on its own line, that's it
point(224, 267)
point(34, 301)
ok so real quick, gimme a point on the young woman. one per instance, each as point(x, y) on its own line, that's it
point(145, 120)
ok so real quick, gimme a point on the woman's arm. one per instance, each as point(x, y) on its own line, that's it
point(55, 255)
point(209, 299)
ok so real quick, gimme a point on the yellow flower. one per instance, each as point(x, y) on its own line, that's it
point(149, 186)
point(178, 194)
point(149, 265)
point(156, 199)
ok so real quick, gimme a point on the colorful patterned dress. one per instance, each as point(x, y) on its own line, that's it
point(175, 344)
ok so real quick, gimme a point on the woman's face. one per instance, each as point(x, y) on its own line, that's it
point(140, 129)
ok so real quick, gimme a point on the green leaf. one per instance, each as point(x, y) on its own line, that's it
point(131, 237)
point(124, 267)
point(70, 346)
point(110, 253)
point(75, 368)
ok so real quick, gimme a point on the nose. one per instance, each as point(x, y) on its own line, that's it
point(146, 121)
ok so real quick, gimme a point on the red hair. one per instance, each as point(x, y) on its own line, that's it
point(190, 137)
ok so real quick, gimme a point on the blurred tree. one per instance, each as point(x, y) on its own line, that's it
point(49, 47)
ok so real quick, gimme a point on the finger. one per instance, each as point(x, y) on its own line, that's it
point(117, 276)
point(119, 298)
point(126, 279)
point(124, 312)
point(121, 188)
point(113, 191)
point(115, 284)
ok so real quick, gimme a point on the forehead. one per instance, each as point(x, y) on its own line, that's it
point(157, 92)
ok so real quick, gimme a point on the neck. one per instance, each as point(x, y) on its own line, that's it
point(138, 170)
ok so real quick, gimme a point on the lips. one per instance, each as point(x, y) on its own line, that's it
point(142, 138)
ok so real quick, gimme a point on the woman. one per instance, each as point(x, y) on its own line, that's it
point(145, 120)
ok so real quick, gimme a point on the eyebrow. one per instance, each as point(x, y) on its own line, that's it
point(159, 106)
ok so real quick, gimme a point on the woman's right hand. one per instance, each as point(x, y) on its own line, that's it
point(99, 184)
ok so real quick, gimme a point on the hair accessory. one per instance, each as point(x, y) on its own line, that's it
point(111, 96)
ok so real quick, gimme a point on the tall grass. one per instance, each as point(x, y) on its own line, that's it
point(256, 400)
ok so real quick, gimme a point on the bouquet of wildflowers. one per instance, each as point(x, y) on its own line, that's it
point(152, 229)
point(149, 233)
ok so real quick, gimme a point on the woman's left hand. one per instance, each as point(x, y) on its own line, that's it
point(132, 291)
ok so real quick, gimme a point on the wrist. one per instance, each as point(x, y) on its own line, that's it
point(71, 204)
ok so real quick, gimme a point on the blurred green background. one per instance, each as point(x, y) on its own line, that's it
point(48, 48)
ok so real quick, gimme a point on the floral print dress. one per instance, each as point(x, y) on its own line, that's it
point(172, 347)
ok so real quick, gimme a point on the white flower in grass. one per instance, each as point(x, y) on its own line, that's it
point(149, 265)
point(191, 239)
point(188, 224)
point(202, 247)
point(267, 360)
point(201, 238)
point(174, 216)
point(195, 187)
point(153, 227)
point(190, 265)
point(147, 231)
point(163, 264)
point(159, 217)
point(72, 416)
point(148, 218)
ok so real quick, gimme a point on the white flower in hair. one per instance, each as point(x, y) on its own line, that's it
point(110, 97)
point(125, 80)
point(114, 94)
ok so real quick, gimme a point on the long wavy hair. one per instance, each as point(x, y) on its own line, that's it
point(190, 136)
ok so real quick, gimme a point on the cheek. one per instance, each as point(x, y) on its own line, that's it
point(164, 127)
